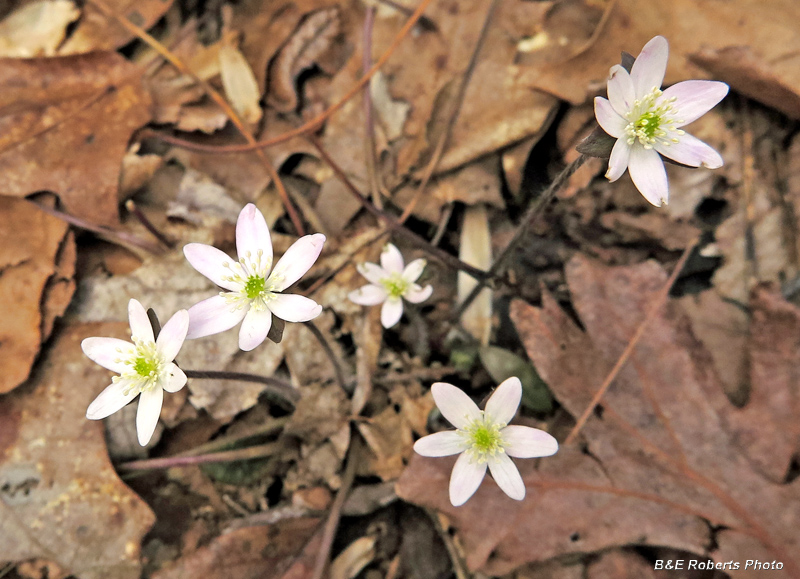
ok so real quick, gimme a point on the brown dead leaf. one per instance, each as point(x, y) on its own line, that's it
point(619, 564)
point(60, 498)
point(312, 38)
point(246, 553)
point(37, 262)
point(65, 127)
point(658, 462)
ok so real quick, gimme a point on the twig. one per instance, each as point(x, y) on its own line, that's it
point(459, 568)
point(330, 353)
point(424, 21)
point(273, 385)
point(658, 303)
point(131, 206)
point(369, 118)
point(316, 122)
point(216, 97)
point(251, 452)
point(220, 443)
point(534, 212)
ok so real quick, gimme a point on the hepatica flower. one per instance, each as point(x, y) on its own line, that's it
point(647, 121)
point(391, 282)
point(253, 291)
point(484, 439)
point(145, 367)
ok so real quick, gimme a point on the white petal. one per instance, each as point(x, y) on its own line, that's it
point(526, 442)
point(454, 404)
point(172, 335)
point(176, 379)
point(213, 316)
point(252, 234)
point(391, 312)
point(504, 401)
point(297, 260)
point(620, 157)
point(648, 174)
point(141, 328)
point(505, 474)
point(373, 272)
point(255, 328)
point(694, 98)
point(413, 270)
point(294, 308)
point(621, 92)
point(416, 294)
point(109, 401)
point(107, 352)
point(210, 262)
point(368, 295)
point(650, 66)
point(440, 444)
point(465, 479)
point(147, 416)
point(392, 259)
point(691, 151)
point(609, 119)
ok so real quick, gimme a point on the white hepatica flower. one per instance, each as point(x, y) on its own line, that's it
point(390, 283)
point(647, 121)
point(253, 292)
point(484, 438)
point(145, 367)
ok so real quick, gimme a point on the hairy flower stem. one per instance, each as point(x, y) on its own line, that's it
point(259, 451)
point(273, 385)
point(533, 212)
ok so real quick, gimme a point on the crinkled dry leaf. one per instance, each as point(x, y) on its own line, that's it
point(65, 126)
point(37, 261)
point(60, 498)
point(36, 29)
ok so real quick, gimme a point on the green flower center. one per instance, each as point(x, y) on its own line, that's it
point(145, 366)
point(254, 286)
point(484, 438)
point(395, 285)
point(652, 121)
point(647, 125)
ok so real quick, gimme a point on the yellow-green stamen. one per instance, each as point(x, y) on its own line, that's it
point(484, 438)
point(395, 285)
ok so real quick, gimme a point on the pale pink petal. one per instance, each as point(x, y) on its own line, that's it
point(175, 379)
point(621, 92)
point(691, 151)
point(504, 401)
point(255, 328)
point(141, 328)
point(147, 416)
point(392, 259)
point(440, 444)
point(368, 295)
point(620, 157)
point(413, 270)
point(110, 400)
point(391, 312)
point(611, 122)
point(648, 174)
point(294, 308)
point(526, 442)
point(252, 234)
point(465, 479)
point(694, 98)
point(172, 335)
point(454, 404)
point(108, 352)
point(650, 66)
point(505, 474)
point(416, 294)
point(213, 316)
point(372, 272)
point(297, 260)
point(211, 262)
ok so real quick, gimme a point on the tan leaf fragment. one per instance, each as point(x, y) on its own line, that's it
point(240, 84)
point(476, 249)
point(353, 559)
point(36, 29)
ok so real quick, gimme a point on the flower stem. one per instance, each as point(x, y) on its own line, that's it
point(273, 385)
point(330, 353)
point(251, 452)
point(131, 206)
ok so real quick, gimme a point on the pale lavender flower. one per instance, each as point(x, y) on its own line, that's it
point(253, 293)
point(647, 121)
point(484, 439)
point(145, 367)
point(390, 283)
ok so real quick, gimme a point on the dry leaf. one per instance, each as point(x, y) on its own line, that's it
point(476, 250)
point(390, 113)
point(60, 498)
point(65, 126)
point(240, 84)
point(353, 559)
point(36, 29)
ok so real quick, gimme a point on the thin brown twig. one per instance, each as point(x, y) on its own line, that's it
point(658, 303)
point(370, 153)
point(216, 97)
point(273, 385)
point(130, 205)
point(251, 452)
point(315, 123)
point(326, 347)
